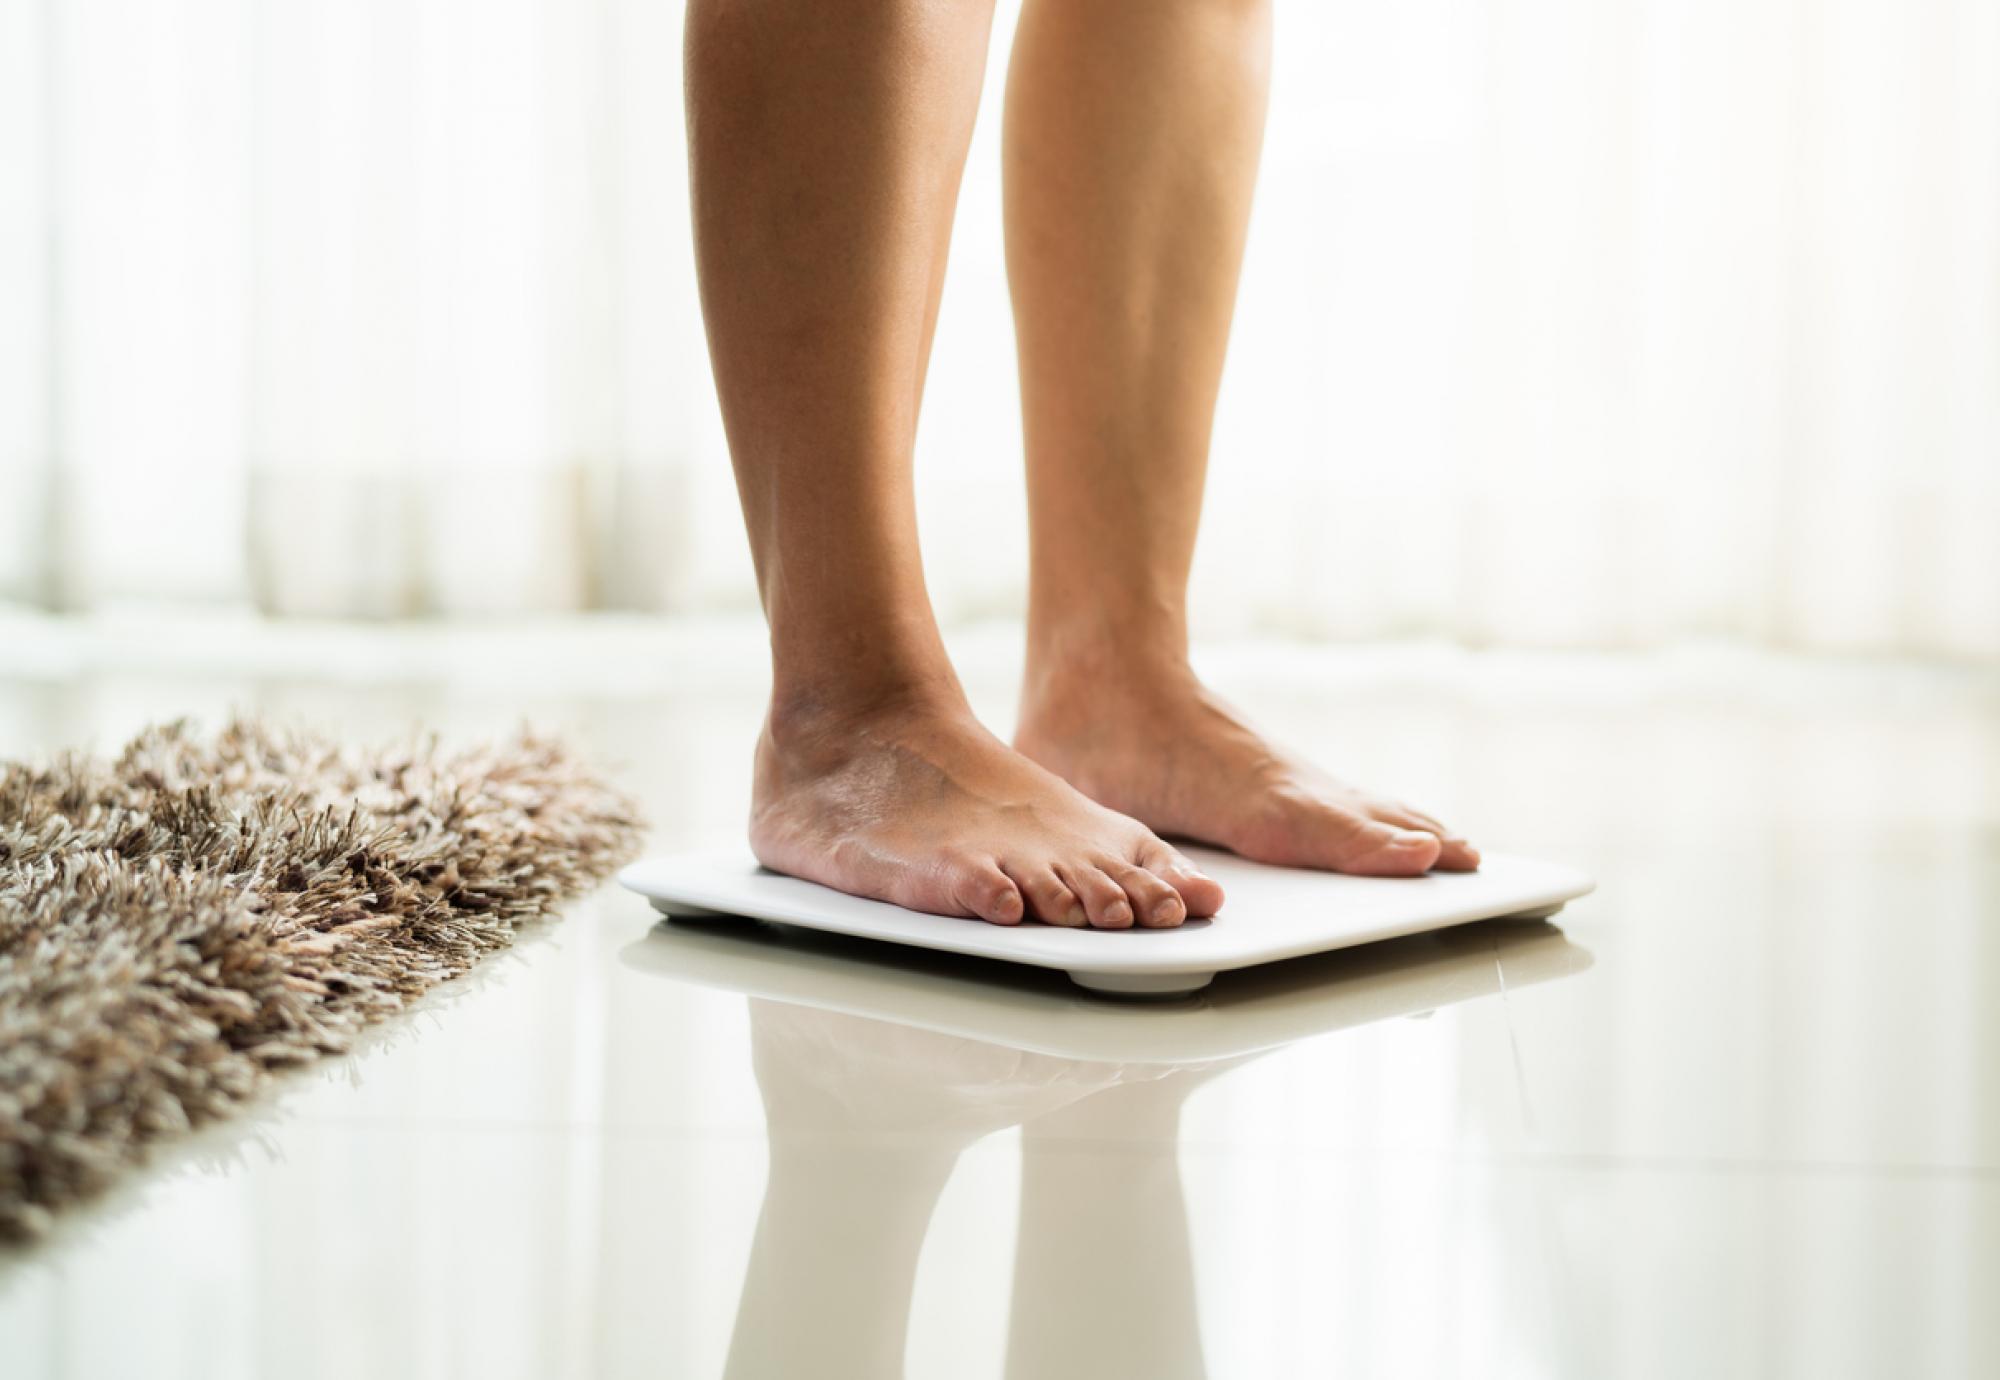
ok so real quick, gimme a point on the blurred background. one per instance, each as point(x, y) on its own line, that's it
point(1565, 325)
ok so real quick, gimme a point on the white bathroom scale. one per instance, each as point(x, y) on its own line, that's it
point(1269, 914)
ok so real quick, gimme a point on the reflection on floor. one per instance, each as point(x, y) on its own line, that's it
point(873, 1089)
point(1739, 1114)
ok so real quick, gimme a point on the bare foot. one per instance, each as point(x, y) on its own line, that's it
point(921, 806)
point(1164, 750)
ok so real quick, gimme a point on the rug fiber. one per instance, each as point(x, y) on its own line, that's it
point(179, 924)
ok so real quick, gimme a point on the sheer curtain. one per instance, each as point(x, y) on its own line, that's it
point(1565, 323)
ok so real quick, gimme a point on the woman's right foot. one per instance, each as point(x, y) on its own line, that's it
point(922, 807)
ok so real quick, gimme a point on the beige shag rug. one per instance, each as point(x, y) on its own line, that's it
point(181, 923)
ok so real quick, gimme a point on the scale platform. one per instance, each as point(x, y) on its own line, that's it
point(1269, 914)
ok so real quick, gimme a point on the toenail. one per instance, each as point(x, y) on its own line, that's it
point(1169, 909)
point(1117, 910)
point(1074, 916)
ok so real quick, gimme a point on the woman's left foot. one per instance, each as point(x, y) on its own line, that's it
point(1168, 753)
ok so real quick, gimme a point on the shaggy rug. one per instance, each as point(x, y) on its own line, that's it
point(181, 923)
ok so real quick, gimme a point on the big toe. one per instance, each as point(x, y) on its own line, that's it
point(1340, 838)
point(1343, 841)
point(1199, 892)
point(1456, 855)
point(1455, 852)
point(1385, 850)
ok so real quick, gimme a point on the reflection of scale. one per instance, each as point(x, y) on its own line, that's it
point(1038, 1012)
point(1271, 913)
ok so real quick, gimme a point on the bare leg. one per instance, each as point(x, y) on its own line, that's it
point(1132, 137)
point(826, 142)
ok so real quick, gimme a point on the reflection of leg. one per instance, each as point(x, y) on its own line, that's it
point(1103, 1274)
point(866, 1120)
point(835, 1259)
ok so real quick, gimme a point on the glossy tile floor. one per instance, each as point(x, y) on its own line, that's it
point(1737, 1114)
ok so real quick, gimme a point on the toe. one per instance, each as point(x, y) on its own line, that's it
point(1103, 899)
point(1199, 892)
point(1455, 854)
point(1343, 837)
point(1154, 903)
point(1049, 900)
point(987, 892)
point(1385, 850)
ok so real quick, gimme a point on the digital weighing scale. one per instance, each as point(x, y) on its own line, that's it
point(1269, 914)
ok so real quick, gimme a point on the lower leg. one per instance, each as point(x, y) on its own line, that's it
point(1132, 138)
point(826, 141)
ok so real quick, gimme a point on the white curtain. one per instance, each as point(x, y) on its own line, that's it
point(1566, 323)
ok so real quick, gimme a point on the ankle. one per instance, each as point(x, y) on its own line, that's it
point(1081, 680)
point(1109, 649)
point(809, 714)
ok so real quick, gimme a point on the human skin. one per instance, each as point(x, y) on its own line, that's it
point(827, 139)
point(1131, 146)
